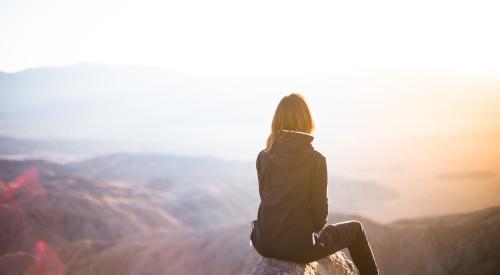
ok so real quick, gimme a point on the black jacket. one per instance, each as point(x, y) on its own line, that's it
point(294, 203)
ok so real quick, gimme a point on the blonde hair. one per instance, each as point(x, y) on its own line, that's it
point(292, 114)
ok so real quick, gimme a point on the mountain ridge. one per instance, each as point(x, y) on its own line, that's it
point(114, 227)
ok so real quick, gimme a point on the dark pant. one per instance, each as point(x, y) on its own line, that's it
point(350, 235)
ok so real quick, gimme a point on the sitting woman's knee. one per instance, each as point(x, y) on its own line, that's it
point(357, 225)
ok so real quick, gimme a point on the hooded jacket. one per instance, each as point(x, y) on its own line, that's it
point(294, 203)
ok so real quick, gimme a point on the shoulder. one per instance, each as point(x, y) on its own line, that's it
point(319, 160)
point(260, 156)
point(319, 163)
point(261, 153)
point(319, 156)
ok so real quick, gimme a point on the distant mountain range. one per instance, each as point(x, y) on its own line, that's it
point(159, 110)
point(181, 174)
point(56, 150)
point(149, 108)
point(71, 217)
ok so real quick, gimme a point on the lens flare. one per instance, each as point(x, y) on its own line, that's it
point(24, 194)
point(46, 262)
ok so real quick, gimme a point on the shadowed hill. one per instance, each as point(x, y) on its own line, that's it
point(453, 244)
point(92, 226)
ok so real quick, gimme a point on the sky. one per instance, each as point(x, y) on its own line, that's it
point(248, 38)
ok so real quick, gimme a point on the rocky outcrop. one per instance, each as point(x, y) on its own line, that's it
point(336, 264)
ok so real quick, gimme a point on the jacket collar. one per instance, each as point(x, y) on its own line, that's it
point(298, 132)
point(292, 141)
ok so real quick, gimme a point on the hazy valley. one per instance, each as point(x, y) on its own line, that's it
point(96, 223)
point(134, 170)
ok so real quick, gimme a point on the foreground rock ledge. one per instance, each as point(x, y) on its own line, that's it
point(336, 264)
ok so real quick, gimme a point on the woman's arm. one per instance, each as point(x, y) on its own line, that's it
point(258, 164)
point(319, 196)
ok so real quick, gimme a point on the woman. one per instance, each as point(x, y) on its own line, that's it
point(292, 214)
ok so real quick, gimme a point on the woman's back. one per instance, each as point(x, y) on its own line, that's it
point(292, 187)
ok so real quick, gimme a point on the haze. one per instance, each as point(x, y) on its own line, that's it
point(403, 94)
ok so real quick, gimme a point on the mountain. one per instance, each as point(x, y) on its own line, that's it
point(92, 102)
point(55, 150)
point(396, 137)
point(206, 191)
point(452, 244)
point(200, 183)
point(53, 218)
point(160, 110)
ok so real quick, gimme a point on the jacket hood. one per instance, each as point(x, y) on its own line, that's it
point(291, 149)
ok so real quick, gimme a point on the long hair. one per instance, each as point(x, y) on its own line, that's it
point(291, 114)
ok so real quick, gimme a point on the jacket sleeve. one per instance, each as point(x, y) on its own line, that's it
point(258, 164)
point(319, 195)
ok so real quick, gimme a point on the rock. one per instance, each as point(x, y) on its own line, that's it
point(336, 264)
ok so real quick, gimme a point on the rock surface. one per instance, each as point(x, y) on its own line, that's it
point(336, 264)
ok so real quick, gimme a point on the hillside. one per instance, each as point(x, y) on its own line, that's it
point(85, 225)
